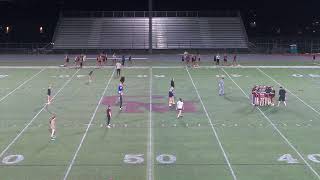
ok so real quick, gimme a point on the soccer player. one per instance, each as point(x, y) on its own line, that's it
point(49, 94)
point(123, 60)
point(90, 76)
point(109, 115)
point(218, 59)
point(234, 62)
point(272, 95)
point(221, 86)
point(66, 59)
point(52, 127)
point(171, 97)
point(225, 59)
point(282, 96)
point(254, 94)
point(179, 108)
point(120, 91)
point(114, 59)
point(118, 68)
point(172, 83)
point(130, 59)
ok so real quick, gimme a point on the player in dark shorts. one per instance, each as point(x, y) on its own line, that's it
point(66, 59)
point(282, 97)
point(172, 83)
point(120, 91)
point(49, 95)
point(225, 59)
point(234, 62)
point(90, 76)
point(81, 62)
point(109, 115)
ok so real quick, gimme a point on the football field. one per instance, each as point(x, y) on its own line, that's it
point(219, 137)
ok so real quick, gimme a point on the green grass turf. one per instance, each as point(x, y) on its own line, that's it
point(251, 144)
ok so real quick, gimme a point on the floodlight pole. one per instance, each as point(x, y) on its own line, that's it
point(150, 26)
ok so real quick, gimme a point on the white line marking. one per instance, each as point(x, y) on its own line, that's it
point(150, 148)
point(22, 84)
point(86, 132)
point(290, 92)
point(213, 128)
point(27, 125)
point(164, 67)
point(275, 128)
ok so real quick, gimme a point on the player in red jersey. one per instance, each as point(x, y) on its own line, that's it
point(99, 61)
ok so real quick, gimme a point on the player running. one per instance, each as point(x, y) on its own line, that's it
point(179, 108)
point(282, 97)
point(52, 127)
point(109, 115)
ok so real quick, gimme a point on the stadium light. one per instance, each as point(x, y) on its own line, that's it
point(8, 29)
point(41, 29)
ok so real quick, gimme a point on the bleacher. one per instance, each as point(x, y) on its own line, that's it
point(168, 33)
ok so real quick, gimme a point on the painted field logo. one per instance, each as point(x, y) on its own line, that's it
point(132, 105)
point(3, 76)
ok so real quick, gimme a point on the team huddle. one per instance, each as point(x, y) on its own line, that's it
point(264, 96)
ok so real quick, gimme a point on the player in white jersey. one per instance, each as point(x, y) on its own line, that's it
point(180, 107)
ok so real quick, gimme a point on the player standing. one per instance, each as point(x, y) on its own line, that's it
point(221, 86)
point(225, 59)
point(52, 127)
point(180, 107)
point(120, 91)
point(218, 59)
point(114, 59)
point(66, 59)
point(109, 115)
point(90, 76)
point(171, 97)
point(234, 62)
point(118, 68)
point(282, 97)
point(49, 94)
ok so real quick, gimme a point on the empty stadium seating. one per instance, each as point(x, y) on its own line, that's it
point(132, 33)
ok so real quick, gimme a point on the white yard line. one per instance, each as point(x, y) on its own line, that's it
point(86, 132)
point(290, 92)
point(150, 147)
point(31, 121)
point(213, 129)
point(275, 128)
point(23, 83)
point(166, 67)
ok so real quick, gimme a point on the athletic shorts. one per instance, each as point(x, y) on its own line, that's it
point(282, 98)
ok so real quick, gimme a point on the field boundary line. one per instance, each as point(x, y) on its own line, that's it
point(164, 67)
point(213, 128)
point(150, 146)
point(290, 92)
point(34, 117)
point(276, 129)
point(87, 129)
point(21, 84)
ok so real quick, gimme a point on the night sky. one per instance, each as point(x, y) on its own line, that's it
point(272, 17)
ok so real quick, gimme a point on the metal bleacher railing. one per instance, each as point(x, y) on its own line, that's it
point(216, 13)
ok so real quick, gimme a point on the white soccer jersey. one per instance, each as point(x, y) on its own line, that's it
point(179, 104)
point(118, 65)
